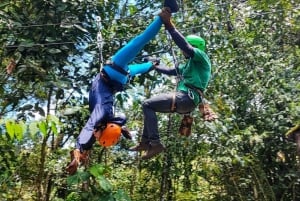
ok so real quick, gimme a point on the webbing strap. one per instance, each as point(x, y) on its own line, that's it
point(173, 106)
point(197, 90)
point(118, 69)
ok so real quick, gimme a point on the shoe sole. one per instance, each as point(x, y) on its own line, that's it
point(145, 157)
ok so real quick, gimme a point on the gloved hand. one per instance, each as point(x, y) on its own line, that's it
point(125, 132)
point(207, 113)
point(155, 62)
point(77, 159)
point(165, 16)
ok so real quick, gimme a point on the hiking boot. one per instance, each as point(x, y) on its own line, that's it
point(186, 125)
point(154, 149)
point(172, 4)
point(142, 146)
point(77, 159)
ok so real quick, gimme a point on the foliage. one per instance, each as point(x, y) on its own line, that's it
point(50, 53)
point(99, 187)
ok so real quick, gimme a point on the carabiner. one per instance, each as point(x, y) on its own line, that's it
point(190, 94)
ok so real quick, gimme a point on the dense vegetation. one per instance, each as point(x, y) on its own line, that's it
point(52, 49)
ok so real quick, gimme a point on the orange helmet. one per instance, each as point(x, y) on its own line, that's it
point(110, 135)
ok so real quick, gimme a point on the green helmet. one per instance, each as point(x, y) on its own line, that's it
point(196, 41)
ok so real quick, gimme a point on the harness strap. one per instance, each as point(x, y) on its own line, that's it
point(114, 85)
point(197, 90)
point(173, 106)
point(118, 68)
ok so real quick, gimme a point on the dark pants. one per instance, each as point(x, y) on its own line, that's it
point(163, 103)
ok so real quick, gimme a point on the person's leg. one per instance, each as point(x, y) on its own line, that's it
point(126, 54)
point(184, 104)
point(160, 103)
point(150, 141)
point(163, 103)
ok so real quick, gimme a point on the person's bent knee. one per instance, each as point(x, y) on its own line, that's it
point(145, 104)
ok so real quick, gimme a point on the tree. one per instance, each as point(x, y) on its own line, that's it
point(50, 53)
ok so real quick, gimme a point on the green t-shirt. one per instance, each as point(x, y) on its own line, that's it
point(195, 73)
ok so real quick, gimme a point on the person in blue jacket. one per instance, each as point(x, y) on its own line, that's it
point(113, 78)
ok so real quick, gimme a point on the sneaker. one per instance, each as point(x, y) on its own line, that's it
point(172, 4)
point(75, 162)
point(142, 146)
point(77, 159)
point(154, 149)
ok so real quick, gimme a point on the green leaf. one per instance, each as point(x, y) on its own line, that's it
point(54, 121)
point(54, 128)
point(27, 44)
point(74, 179)
point(19, 130)
point(70, 111)
point(121, 195)
point(106, 197)
point(53, 118)
point(4, 4)
point(104, 183)
point(78, 178)
point(54, 51)
point(9, 124)
point(97, 170)
point(43, 127)
point(33, 128)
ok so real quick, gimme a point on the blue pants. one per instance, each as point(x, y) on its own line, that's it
point(163, 103)
point(127, 54)
point(101, 95)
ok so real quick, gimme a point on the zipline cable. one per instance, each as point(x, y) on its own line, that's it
point(100, 42)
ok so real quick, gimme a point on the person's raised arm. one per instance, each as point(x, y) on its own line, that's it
point(177, 37)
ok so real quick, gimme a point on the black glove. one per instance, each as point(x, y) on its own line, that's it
point(125, 132)
point(154, 60)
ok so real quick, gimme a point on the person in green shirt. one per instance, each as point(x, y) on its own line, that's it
point(194, 76)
